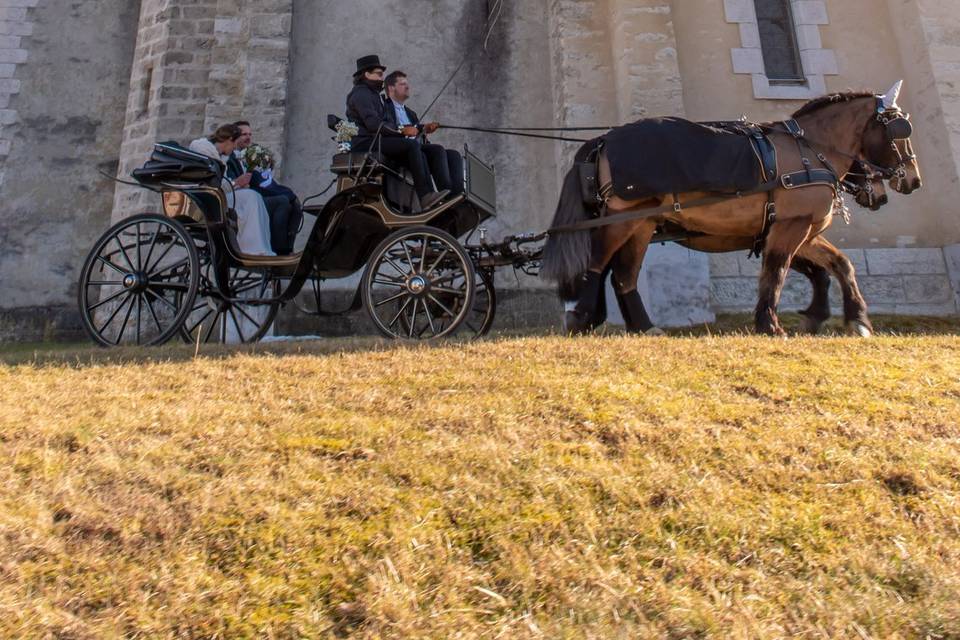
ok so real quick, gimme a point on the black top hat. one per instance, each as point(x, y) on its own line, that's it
point(366, 63)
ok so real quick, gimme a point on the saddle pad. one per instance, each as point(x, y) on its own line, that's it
point(657, 156)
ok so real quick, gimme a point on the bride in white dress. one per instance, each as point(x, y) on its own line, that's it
point(253, 221)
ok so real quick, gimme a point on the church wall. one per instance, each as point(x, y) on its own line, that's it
point(64, 86)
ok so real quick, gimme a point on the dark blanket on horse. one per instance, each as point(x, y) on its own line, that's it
point(657, 156)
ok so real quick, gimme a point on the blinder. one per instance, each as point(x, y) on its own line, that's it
point(899, 128)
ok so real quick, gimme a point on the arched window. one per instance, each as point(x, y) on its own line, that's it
point(778, 39)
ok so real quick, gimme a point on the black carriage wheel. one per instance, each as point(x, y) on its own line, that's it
point(139, 282)
point(484, 309)
point(213, 319)
point(419, 284)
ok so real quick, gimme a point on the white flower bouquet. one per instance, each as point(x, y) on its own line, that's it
point(259, 158)
point(346, 131)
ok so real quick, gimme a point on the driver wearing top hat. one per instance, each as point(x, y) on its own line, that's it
point(365, 108)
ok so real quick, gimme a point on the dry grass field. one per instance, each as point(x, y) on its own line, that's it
point(527, 487)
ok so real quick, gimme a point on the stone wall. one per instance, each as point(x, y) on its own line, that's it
point(64, 73)
point(900, 281)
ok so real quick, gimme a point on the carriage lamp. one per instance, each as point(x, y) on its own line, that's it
point(174, 204)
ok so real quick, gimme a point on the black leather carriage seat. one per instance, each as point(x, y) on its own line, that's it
point(397, 181)
point(351, 162)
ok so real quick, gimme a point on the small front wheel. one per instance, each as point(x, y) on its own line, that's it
point(139, 282)
point(419, 284)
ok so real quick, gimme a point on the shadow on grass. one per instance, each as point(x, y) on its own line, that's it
point(86, 354)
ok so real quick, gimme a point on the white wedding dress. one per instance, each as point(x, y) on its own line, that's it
point(253, 235)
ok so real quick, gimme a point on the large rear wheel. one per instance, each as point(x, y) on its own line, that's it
point(240, 317)
point(139, 282)
point(419, 284)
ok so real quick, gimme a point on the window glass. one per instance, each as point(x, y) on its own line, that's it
point(778, 38)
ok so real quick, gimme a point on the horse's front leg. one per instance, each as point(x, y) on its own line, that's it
point(785, 238)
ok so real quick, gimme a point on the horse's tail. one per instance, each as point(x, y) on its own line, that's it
point(567, 255)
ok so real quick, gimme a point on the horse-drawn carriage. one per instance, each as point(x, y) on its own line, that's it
point(152, 277)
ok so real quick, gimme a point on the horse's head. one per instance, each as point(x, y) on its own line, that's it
point(866, 186)
point(887, 149)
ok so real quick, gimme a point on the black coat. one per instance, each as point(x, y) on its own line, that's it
point(365, 108)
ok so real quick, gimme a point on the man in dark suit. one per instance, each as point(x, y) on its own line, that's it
point(446, 165)
point(282, 203)
point(366, 109)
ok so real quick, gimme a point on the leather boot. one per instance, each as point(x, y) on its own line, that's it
point(634, 313)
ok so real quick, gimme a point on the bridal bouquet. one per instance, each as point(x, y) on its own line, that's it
point(346, 131)
point(258, 158)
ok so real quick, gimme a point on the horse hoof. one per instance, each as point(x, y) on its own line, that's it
point(860, 329)
point(574, 325)
point(655, 332)
point(811, 325)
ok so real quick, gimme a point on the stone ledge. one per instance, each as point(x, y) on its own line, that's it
point(41, 324)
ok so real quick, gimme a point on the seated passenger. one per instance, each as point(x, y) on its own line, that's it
point(253, 235)
point(282, 203)
point(365, 108)
point(446, 165)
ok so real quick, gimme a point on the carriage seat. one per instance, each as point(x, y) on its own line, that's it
point(347, 163)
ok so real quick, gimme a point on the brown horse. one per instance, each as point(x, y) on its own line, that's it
point(837, 129)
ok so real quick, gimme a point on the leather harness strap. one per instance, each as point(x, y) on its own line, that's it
point(808, 176)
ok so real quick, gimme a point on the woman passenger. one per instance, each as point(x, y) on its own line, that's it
point(253, 221)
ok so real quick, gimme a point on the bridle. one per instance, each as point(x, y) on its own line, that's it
point(896, 126)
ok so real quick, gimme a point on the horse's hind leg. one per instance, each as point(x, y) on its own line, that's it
point(590, 310)
point(821, 252)
point(626, 271)
point(819, 310)
point(785, 238)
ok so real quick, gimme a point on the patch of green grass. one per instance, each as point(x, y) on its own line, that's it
point(722, 486)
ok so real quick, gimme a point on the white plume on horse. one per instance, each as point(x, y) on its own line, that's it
point(890, 98)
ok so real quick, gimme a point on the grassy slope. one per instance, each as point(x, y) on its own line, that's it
point(606, 487)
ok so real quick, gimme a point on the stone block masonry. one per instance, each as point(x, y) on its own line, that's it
point(901, 281)
point(199, 64)
point(16, 24)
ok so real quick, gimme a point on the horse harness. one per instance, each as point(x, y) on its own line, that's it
point(596, 196)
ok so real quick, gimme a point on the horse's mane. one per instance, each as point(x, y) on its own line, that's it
point(824, 101)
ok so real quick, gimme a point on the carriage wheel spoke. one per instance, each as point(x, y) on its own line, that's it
point(108, 299)
point(111, 265)
point(153, 313)
point(139, 251)
point(391, 299)
point(199, 323)
point(255, 322)
point(104, 283)
point(442, 306)
point(162, 299)
point(113, 315)
point(423, 253)
point(451, 292)
point(235, 324)
point(413, 318)
point(173, 267)
point(123, 252)
point(388, 283)
point(139, 309)
point(437, 262)
point(153, 243)
point(217, 318)
point(396, 318)
point(170, 286)
point(123, 326)
point(160, 259)
point(433, 328)
point(393, 264)
point(403, 243)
